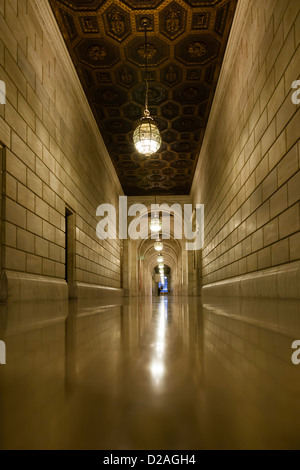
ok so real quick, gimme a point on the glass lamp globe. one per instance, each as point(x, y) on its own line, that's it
point(158, 245)
point(146, 137)
point(160, 259)
point(161, 265)
point(155, 223)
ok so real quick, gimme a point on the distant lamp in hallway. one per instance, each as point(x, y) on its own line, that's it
point(146, 137)
point(158, 245)
point(161, 265)
point(155, 223)
point(160, 258)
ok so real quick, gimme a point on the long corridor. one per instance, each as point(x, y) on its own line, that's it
point(171, 374)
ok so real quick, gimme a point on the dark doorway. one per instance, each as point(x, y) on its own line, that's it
point(69, 245)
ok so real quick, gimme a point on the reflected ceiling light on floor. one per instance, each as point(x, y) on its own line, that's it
point(158, 245)
point(157, 369)
point(160, 258)
point(146, 137)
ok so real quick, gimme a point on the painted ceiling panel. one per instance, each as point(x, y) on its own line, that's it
point(186, 45)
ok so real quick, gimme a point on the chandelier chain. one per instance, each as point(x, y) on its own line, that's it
point(146, 112)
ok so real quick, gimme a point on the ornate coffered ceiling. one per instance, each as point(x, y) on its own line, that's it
point(187, 41)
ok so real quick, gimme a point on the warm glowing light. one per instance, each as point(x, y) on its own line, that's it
point(158, 245)
point(160, 346)
point(161, 265)
point(155, 223)
point(146, 137)
point(157, 366)
point(157, 369)
point(160, 259)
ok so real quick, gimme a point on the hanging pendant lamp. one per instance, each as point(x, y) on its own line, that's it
point(158, 245)
point(160, 258)
point(155, 222)
point(146, 137)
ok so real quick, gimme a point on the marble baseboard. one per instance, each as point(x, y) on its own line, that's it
point(23, 287)
point(280, 282)
point(84, 290)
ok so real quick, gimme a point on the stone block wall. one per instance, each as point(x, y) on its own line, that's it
point(248, 172)
point(53, 158)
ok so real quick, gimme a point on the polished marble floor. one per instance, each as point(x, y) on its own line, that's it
point(167, 373)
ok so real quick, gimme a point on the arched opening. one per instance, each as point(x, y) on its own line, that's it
point(141, 256)
point(162, 287)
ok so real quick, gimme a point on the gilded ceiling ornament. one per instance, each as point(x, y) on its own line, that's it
point(186, 123)
point(132, 111)
point(128, 164)
point(116, 22)
point(153, 94)
point(197, 49)
point(109, 95)
point(200, 21)
point(169, 136)
point(126, 75)
point(151, 51)
point(97, 53)
point(173, 21)
point(88, 24)
point(181, 163)
point(171, 74)
point(190, 93)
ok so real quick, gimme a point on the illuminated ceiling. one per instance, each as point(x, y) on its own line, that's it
point(187, 41)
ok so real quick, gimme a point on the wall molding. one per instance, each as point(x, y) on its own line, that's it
point(23, 287)
point(280, 282)
point(83, 290)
